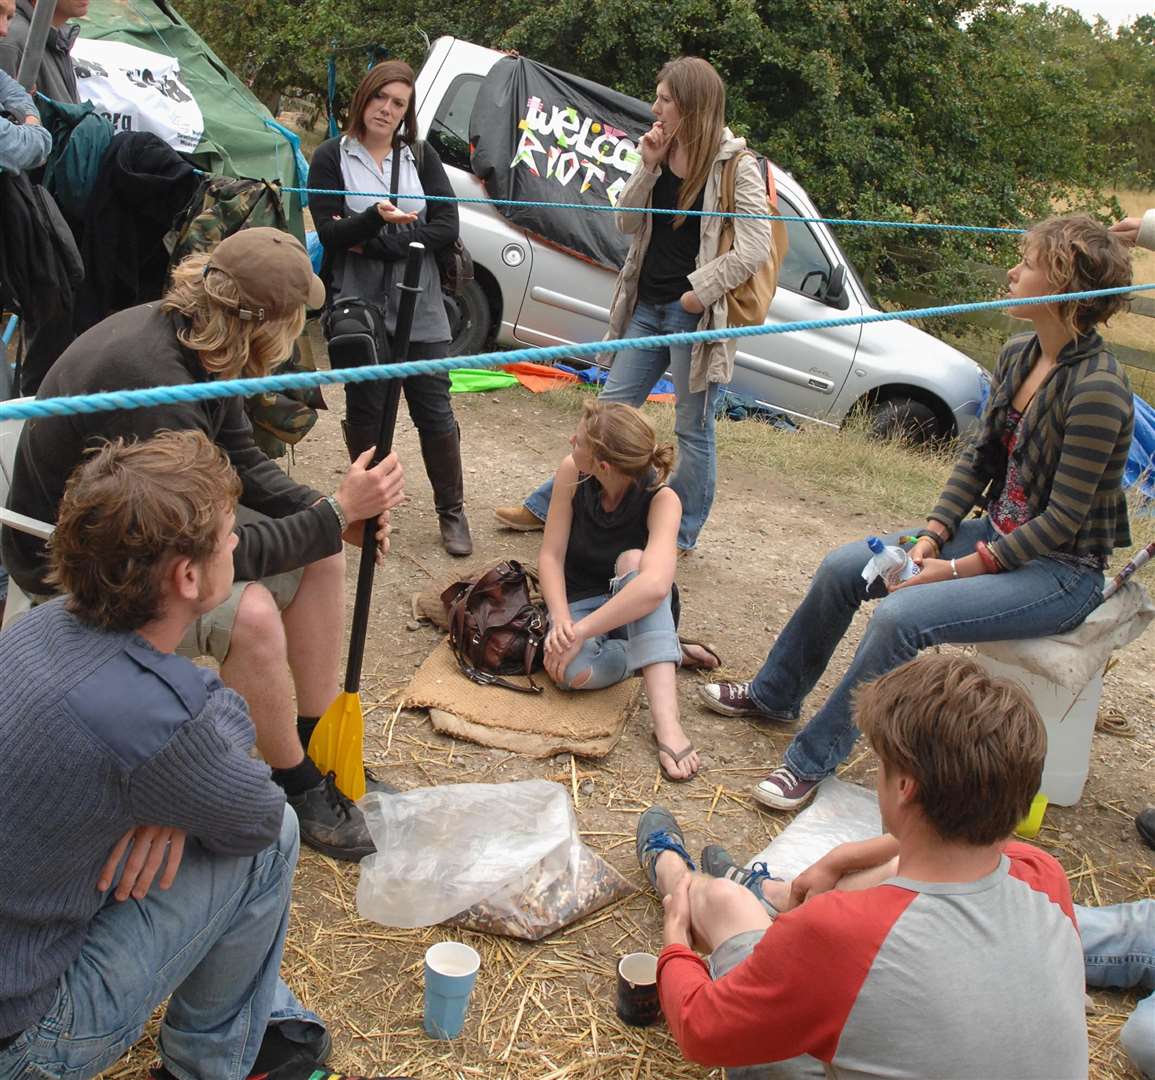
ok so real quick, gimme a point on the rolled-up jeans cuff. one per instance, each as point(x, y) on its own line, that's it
point(538, 505)
point(291, 1016)
point(653, 647)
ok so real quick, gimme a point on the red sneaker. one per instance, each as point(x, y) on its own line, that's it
point(782, 790)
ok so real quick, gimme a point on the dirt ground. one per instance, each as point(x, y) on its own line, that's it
point(546, 1011)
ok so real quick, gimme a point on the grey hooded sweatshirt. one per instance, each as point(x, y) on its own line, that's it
point(56, 78)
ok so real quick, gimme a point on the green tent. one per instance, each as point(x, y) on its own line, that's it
point(239, 136)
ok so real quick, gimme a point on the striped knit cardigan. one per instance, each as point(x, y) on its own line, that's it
point(1071, 451)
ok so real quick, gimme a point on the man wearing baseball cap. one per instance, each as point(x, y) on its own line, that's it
point(230, 314)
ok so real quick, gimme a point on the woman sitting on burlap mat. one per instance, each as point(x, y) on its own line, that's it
point(607, 572)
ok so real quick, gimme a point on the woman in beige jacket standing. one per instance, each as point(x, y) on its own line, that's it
point(674, 279)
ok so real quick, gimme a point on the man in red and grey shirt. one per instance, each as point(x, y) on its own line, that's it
point(937, 950)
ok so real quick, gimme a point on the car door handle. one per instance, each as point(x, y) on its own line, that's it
point(825, 385)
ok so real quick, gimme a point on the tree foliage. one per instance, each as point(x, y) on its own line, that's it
point(967, 111)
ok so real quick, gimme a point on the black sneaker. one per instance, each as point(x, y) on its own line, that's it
point(283, 1059)
point(279, 1057)
point(1145, 823)
point(331, 823)
point(717, 862)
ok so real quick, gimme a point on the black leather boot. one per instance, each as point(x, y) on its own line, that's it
point(442, 455)
point(358, 439)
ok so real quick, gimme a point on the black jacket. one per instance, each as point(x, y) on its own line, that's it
point(338, 232)
point(142, 186)
point(139, 348)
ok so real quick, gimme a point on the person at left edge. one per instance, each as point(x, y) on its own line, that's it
point(364, 259)
point(24, 144)
point(233, 312)
point(56, 76)
point(147, 858)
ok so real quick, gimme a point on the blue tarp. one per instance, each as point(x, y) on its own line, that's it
point(315, 249)
point(597, 376)
point(1141, 460)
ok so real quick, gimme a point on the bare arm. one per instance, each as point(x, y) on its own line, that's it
point(1137, 232)
point(840, 866)
point(655, 576)
point(555, 541)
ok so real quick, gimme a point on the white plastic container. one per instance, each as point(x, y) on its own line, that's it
point(893, 564)
point(1070, 721)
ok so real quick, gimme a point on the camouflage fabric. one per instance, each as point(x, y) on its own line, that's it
point(226, 205)
point(281, 419)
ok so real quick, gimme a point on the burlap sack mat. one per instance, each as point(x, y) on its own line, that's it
point(587, 723)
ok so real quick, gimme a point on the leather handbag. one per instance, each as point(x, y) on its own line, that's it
point(455, 265)
point(497, 627)
point(748, 303)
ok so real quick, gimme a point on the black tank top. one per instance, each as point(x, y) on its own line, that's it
point(672, 253)
point(597, 536)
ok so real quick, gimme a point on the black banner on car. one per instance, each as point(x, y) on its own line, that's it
point(541, 135)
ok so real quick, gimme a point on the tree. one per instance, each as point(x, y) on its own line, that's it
point(964, 111)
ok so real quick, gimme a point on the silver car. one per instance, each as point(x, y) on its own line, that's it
point(529, 293)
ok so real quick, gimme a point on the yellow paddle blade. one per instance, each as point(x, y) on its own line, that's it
point(338, 744)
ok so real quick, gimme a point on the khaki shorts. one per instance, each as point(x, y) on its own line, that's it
point(212, 633)
point(722, 961)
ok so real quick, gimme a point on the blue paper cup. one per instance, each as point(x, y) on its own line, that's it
point(450, 972)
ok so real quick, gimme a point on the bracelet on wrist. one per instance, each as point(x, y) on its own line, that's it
point(932, 536)
point(992, 564)
point(335, 506)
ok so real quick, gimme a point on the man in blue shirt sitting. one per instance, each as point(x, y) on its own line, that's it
point(111, 743)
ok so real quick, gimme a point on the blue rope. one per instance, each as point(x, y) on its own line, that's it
point(111, 400)
point(867, 222)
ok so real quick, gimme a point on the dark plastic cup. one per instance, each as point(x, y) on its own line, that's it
point(638, 1003)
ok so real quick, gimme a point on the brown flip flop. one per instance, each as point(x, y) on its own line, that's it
point(695, 665)
point(677, 760)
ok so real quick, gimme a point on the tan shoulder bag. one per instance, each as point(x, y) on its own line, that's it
point(748, 303)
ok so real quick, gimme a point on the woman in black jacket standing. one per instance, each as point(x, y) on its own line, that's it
point(380, 154)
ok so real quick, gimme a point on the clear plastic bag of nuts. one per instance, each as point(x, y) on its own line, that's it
point(548, 897)
point(498, 858)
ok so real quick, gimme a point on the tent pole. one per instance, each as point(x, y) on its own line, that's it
point(34, 47)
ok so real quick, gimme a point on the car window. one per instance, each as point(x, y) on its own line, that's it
point(806, 269)
point(449, 132)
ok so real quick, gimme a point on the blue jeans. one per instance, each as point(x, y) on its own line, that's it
point(1119, 952)
point(1043, 597)
point(213, 941)
point(633, 375)
point(652, 639)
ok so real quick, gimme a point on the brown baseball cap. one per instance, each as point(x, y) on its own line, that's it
point(271, 270)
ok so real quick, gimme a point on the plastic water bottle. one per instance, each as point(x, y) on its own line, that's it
point(893, 564)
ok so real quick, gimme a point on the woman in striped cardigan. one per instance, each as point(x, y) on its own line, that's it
point(1045, 474)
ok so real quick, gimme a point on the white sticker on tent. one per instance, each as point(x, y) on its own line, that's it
point(139, 90)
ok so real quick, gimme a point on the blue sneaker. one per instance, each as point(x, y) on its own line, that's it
point(717, 862)
point(659, 831)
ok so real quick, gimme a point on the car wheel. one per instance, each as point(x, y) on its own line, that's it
point(903, 418)
point(470, 320)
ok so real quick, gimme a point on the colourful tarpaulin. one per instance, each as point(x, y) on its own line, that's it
point(474, 380)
